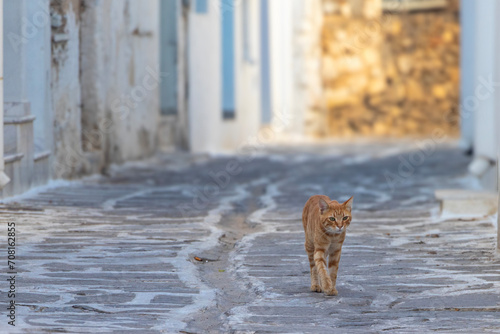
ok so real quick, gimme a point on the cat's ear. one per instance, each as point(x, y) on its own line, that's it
point(348, 203)
point(323, 205)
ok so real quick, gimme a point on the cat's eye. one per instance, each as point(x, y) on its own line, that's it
point(332, 219)
point(345, 218)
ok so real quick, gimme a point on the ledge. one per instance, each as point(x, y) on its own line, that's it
point(19, 120)
point(8, 159)
point(41, 155)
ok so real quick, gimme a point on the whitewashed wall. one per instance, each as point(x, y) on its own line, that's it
point(81, 91)
point(294, 72)
point(204, 80)
point(295, 53)
point(28, 124)
point(496, 78)
point(208, 131)
point(105, 83)
point(308, 85)
point(120, 78)
point(480, 100)
point(467, 72)
point(15, 51)
point(243, 129)
point(4, 179)
point(65, 88)
point(479, 105)
point(282, 68)
point(38, 58)
point(486, 59)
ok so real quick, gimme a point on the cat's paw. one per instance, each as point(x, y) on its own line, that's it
point(331, 292)
point(315, 288)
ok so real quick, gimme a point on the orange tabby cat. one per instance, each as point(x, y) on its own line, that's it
point(325, 224)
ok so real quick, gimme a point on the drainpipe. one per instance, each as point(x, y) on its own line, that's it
point(4, 179)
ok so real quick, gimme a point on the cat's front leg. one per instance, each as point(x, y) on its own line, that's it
point(325, 281)
point(333, 267)
point(315, 287)
point(331, 292)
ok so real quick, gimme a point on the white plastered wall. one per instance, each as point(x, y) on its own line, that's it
point(281, 67)
point(482, 100)
point(243, 129)
point(4, 179)
point(208, 131)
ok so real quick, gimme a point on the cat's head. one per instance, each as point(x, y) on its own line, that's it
point(335, 216)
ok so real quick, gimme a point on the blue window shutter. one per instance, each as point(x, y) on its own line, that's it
point(228, 59)
point(201, 6)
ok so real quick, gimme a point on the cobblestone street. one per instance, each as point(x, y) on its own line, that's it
point(116, 254)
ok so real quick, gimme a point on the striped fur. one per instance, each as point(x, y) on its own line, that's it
point(325, 224)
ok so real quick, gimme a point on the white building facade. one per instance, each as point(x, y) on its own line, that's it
point(79, 91)
point(480, 94)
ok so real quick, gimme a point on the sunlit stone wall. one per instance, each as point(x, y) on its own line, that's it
point(392, 72)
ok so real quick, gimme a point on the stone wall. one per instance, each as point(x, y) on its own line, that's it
point(388, 73)
point(120, 79)
point(65, 88)
point(104, 83)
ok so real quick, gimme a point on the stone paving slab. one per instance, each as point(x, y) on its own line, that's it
point(86, 265)
point(116, 254)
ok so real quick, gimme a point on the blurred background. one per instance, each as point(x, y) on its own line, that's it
point(206, 124)
point(90, 83)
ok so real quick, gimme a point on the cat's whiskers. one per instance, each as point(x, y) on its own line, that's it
point(332, 230)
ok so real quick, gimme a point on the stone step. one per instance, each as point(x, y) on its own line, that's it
point(467, 204)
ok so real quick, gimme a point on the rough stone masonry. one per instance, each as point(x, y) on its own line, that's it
point(390, 72)
point(116, 255)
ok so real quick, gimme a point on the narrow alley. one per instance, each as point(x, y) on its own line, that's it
point(191, 243)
